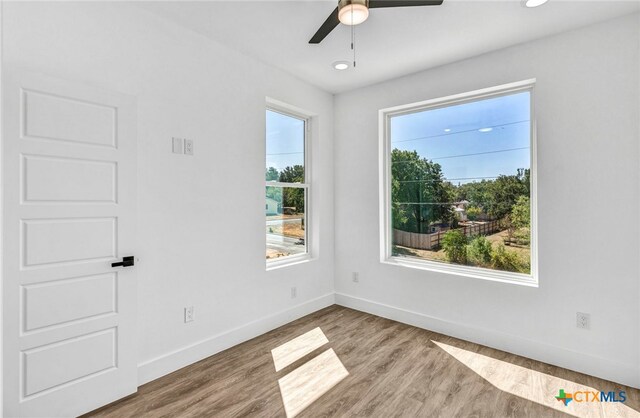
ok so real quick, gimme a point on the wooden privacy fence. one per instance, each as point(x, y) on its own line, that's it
point(430, 241)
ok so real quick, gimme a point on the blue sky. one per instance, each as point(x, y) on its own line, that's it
point(451, 136)
point(285, 140)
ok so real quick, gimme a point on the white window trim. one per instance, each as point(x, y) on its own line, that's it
point(288, 110)
point(385, 189)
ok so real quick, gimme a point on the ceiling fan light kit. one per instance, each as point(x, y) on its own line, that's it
point(353, 12)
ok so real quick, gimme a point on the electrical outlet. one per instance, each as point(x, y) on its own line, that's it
point(355, 277)
point(188, 314)
point(177, 145)
point(188, 146)
point(294, 292)
point(583, 320)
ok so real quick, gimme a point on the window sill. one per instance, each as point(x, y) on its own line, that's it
point(288, 261)
point(529, 280)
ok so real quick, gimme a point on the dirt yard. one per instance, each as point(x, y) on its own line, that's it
point(291, 230)
point(273, 253)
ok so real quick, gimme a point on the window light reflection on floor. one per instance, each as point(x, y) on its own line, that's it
point(309, 382)
point(536, 386)
point(293, 350)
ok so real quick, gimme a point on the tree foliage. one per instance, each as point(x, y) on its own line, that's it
point(293, 197)
point(419, 194)
point(521, 212)
point(293, 174)
point(496, 198)
point(454, 244)
point(501, 259)
point(272, 174)
point(479, 251)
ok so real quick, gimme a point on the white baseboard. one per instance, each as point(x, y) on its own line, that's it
point(177, 359)
point(626, 374)
point(608, 369)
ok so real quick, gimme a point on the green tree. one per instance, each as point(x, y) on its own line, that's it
point(293, 174)
point(473, 213)
point(476, 193)
point(496, 197)
point(293, 197)
point(503, 194)
point(272, 174)
point(521, 212)
point(454, 244)
point(274, 193)
point(419, 194)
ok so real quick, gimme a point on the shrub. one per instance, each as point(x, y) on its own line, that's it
point(479, 251)
point(454, 244)
point(508, 260)
point(522, 236)
point(473, 213)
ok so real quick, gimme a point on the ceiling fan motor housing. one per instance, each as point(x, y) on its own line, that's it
point(342, 3)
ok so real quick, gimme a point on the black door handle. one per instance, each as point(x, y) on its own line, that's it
point(126, 262)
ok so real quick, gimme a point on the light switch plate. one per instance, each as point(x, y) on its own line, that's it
point(188, 146)
point(177, 145)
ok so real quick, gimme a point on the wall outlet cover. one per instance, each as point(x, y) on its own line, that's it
point(188, 314)
point(188, 146)
point(583, 320)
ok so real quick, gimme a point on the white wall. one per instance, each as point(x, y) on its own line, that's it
point(201, 219)
point(588, 133)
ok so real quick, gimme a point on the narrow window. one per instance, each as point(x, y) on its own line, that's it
point(287, 187)
point(458, 191)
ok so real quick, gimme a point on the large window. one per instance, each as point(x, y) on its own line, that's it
point(286, 186)
point(458, 191)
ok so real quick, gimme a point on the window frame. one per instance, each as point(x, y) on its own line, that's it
point(287, 110)
point(386, 233)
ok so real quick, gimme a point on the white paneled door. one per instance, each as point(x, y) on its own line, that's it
point(69, 212)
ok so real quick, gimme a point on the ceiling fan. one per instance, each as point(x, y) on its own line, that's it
point(354, 12)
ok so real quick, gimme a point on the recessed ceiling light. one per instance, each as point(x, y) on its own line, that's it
point(534, 3)
point(485, 129)
point(447, 130)
point(340, 65)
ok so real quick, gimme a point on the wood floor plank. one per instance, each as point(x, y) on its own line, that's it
point(394, 370)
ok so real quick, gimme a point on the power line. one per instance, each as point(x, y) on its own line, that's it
point(465, 155)
point(451, 179)
point(458, 132)
point(426, 203)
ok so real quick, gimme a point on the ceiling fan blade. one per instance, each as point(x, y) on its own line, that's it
point(326, 28)
point(377, 4)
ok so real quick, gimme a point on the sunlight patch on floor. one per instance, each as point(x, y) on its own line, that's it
point(535, 386)
point(290, 352)
point(307, 383)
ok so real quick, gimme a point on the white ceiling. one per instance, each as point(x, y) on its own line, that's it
point(391, 43)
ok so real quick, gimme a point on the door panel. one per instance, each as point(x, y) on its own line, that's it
point(52, 179)
point(54, 303)
point(69, 173)
point(66, 118)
